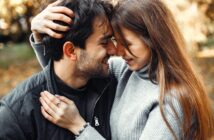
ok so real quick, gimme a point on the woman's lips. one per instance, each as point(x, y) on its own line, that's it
point(128, 61)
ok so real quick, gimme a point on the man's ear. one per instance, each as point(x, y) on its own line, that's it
point(68, 50)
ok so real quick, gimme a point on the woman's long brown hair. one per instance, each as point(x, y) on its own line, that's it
point(155, 25)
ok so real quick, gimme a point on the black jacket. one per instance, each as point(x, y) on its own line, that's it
point(20, 112)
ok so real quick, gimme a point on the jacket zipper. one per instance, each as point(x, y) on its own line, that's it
point(96, 121)
point(95, 118)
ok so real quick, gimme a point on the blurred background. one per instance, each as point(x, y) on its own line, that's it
point(17, 60)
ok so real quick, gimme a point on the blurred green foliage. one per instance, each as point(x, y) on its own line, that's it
point(15, 53)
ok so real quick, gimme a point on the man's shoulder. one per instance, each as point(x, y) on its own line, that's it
point(27, 89)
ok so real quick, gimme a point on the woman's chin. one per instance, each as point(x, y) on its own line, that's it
point(133, 68)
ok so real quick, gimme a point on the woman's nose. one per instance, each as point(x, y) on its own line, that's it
point(120, 50)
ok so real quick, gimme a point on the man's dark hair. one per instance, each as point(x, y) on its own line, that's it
point(82, 26)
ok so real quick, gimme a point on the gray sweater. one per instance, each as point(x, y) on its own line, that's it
point(135, 113)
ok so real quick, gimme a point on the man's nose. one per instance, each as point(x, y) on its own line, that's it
point(111, 50)
point(120, 50)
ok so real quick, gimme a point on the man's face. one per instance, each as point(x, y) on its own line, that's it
point(93, 60)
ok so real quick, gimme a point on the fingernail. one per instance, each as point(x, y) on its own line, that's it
point(45, 92)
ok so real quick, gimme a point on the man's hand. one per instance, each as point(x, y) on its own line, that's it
point(43, 22)
point(61, 111)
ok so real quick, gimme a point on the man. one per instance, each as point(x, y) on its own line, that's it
point(78, 70)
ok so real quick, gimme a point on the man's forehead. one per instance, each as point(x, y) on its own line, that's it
point(101, 28)
point(100, 20)
point(103, 24)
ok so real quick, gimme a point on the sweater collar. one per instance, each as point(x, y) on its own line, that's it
point(143, 72)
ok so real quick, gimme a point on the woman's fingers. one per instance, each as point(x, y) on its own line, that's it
point(50, 100)
point(46, 115)
point(64, 99)
point(47, 108)
point(55, 26)
point(50, 96)
point(53, 34)
point(63, 10)
point(59, 17)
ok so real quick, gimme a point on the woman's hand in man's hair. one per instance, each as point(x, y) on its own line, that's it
point(43, 23)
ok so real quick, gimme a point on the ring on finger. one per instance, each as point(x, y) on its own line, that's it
point(58, 103)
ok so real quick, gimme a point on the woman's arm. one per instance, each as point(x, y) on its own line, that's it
point(43, 23)
point(64, 113)
point(39, 50)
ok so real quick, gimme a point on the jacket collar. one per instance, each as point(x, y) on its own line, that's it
point(51, 84)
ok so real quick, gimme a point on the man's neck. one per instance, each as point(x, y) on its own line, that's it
point(69, 75)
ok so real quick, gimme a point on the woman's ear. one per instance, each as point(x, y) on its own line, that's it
point(68, 50)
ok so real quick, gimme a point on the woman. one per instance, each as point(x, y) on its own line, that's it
point(159, 95)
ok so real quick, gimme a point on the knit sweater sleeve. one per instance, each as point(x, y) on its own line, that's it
point(39, 50)
point(116, 66)
point(156, 128)
point(90, 133)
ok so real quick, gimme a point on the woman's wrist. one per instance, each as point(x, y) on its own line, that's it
point(76, 128)
point(82, 129)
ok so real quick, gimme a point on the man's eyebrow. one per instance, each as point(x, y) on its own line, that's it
point(105, 37)
point(108, 36)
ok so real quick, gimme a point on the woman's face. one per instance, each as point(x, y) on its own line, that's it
point(136, 46)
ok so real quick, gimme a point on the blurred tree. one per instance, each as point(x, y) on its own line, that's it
point(195, 18)
point(16, 15)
